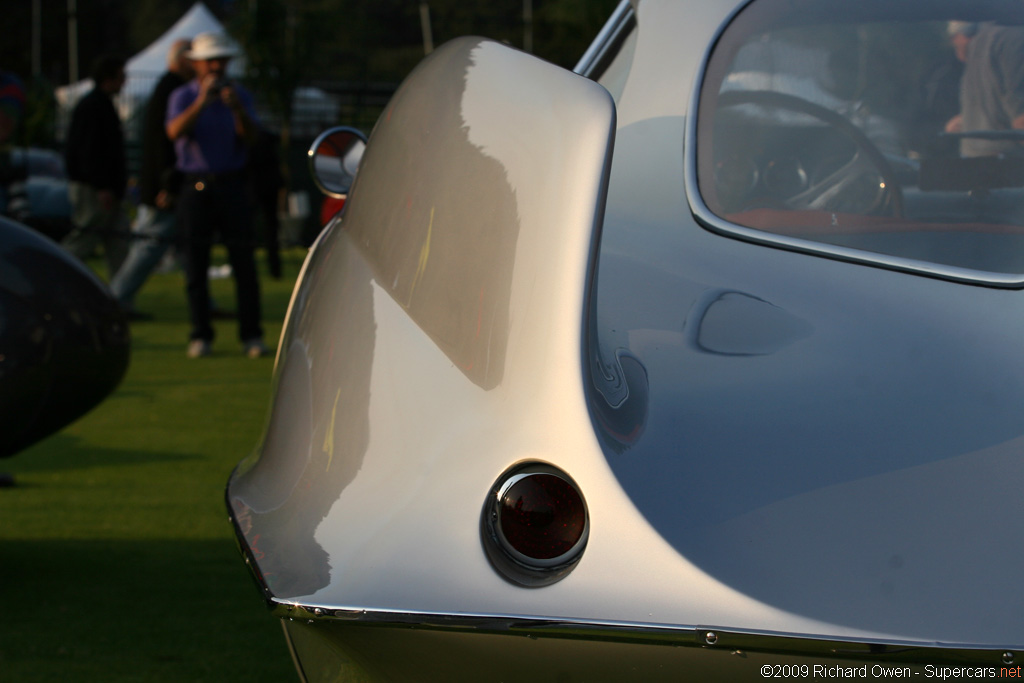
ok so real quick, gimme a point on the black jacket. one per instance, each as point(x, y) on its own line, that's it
point(157, 172)
point(95, 147)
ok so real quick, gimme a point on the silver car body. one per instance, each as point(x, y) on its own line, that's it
point(788, 457)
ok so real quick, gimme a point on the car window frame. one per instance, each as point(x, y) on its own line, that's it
point(719, 225)
point(609, 41)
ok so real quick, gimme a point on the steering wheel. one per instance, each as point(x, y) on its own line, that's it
point(821, 193)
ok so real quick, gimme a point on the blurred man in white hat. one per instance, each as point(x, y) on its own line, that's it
point(212, 123)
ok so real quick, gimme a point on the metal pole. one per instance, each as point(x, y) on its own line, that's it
point(428, 36)
point(528, 26)
point(37, 32)
point(72, 41)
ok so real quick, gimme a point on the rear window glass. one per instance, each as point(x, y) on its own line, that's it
point(887, 131)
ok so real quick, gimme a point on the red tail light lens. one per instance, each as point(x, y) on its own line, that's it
point(535, 524)
point(541, 516)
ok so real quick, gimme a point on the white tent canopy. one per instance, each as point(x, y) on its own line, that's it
point(144, 69)
point(153, 60)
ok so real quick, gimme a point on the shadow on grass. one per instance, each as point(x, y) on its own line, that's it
point(89, 589)
point(226, 339)
point(52, 456)
point(144, 344)
point(159, 610)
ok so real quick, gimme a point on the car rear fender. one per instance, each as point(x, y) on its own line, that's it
point(435, 336)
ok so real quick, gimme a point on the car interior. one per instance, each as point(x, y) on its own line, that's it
point(844, 127)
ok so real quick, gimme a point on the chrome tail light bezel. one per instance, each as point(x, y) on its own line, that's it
point(512, 564)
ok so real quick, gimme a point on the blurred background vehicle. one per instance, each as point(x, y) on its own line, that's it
point(39, 197)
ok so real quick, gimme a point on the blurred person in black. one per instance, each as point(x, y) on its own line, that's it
point(155, 228)
point(97, 170)
point(267, 182)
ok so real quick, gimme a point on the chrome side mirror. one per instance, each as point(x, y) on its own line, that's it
point(334, 159)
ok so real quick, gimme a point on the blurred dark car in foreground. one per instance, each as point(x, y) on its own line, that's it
point(739, 399)
point(64, 341)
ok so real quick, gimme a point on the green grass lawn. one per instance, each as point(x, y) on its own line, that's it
point(117, 559)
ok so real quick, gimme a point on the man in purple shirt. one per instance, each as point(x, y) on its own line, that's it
point(212, 123)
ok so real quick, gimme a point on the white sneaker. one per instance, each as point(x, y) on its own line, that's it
point(255, 348)
point(198, 348)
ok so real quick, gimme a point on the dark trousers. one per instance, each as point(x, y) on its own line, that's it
point(219, 208)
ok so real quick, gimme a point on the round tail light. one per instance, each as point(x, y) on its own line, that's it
point(535, 524)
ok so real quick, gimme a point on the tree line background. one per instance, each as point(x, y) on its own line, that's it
point(288, 43)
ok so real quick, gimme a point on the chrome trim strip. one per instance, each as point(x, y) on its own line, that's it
point(714, 223)
point(693, 636)
point(243, 547)
point(620, 21)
